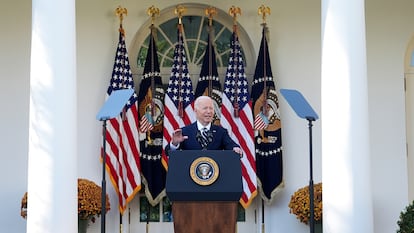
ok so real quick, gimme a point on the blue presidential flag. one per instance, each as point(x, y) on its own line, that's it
point(267, 124)
point(151, 114)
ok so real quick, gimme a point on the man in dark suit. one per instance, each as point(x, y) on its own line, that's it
point(202, 134)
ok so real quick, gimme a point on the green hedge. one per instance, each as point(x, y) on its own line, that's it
point(406, 221)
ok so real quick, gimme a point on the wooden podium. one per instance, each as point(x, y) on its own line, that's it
point(205, 188)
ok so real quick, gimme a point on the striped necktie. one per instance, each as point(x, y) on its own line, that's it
point(204, 139)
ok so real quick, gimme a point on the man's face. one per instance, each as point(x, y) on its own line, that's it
point(204, 111)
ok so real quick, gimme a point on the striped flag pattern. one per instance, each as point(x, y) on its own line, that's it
point(123, 163)
point(146, 124)
point(151, 100)
point(179, 99)
point(268, 138)
point(260, 121)
point(237, 118)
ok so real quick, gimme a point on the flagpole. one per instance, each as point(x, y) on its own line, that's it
point(129, 219)
point(210, 11)
point(148, 217)
point(263, 216)
point(120, 222)
point(179, 10)
point(120, 12)
point(153, 12)
point(263, 10)
point(234, 11)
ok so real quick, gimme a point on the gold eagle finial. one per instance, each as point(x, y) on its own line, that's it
point(153, 12)
point(179, 10)
point(210, 12)
point(263, 10)
point(120, 12)
point(234, 11)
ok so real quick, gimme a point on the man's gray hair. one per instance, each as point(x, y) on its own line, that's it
point(200, 98)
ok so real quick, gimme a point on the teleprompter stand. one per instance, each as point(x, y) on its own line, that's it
point(302, 108)
point(111, 109)
point(205, 188)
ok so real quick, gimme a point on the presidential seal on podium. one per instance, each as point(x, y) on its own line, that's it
point(204, 171)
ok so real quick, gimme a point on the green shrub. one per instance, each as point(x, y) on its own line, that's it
point(406, 221)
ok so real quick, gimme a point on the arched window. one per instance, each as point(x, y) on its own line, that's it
point(195, 34)
point(195, 24)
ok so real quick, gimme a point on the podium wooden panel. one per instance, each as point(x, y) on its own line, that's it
point(205, 216)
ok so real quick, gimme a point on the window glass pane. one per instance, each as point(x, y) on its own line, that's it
point(191, 47)
point(223, 41)
point(170, 29)
point(241, 213)
point(162, 43)
point(167, 211)
point(142, 55)
point(217, 28)
point(192, 26)
point(412, 59)
point(167, 60)
point(204, 31)
point(146, 42)
point(200, 52)
point(148, 212)
point(225, 58)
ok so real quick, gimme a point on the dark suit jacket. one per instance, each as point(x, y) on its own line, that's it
point(221, 139)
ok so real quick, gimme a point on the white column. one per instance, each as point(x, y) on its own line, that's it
point(52, 168)
point(347, 199)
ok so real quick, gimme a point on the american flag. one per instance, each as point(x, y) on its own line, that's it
point(122, 133)
point(179, 110)
point(237, 118)
point(268, 138)
point(151, 99)
point(146, 124)
point(260, 121)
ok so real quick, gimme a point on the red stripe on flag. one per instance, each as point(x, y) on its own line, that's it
point(122, 148)
point(248, 163)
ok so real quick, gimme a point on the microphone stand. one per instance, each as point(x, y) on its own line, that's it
point(305, 111)
point(103, 196)
point(311, 192)
point(111, 108)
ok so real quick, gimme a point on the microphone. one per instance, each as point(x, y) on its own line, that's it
point(199, 138)
point(210, 136)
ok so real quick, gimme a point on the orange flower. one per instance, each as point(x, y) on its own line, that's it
point(300, 204)
point(23, 206)
point(89, 201)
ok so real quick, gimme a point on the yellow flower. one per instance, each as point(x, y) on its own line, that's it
point(23, 206)
point(89, 200)
point(300, 204)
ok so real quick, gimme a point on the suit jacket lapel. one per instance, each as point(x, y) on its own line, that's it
point(195, 131)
